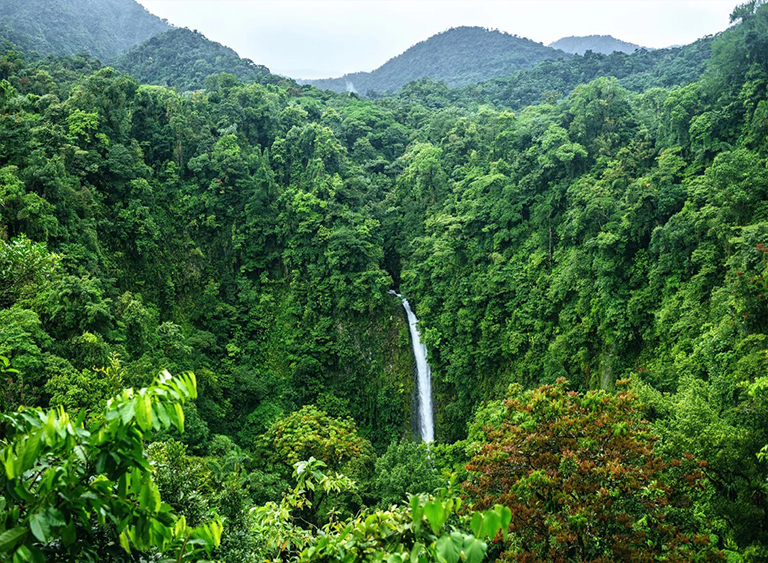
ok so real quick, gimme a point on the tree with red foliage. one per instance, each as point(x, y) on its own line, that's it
point(581, 477)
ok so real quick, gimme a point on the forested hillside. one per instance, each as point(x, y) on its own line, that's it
point(589, 272)
point(183, 59)
point(459, 56)
point(101, 28)
point(179, 213)
point(553, 80)
point(604, 44)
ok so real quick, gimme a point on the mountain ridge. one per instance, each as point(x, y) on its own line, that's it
point(458, 56)
point(183, 59)
point(605, 44)
point(101, 28)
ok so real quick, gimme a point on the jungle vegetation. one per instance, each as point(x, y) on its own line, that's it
point(101, 28)
point(200, 358)
point(458, 57)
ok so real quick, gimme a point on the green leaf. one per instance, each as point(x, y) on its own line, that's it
point(40, 527)
point(55, 517)
point(448, 549)
point(162, 415)
point(149, 497)
point(506, 519)
point(491, 523)
point(10, 464)
point(474, 550)
point(435, 514)
point(179, 416)
point(28, 555)
point(127, 411)
point(125, 542)
point(418, 512)
point(11, 537)
point(69, 534)
point(31, 451)
point(476, 523)
point(144, 412)
point(417, 547)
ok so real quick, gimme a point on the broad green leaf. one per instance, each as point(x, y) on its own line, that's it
point(179, 416)
point(144, 412)
point(149, 497)
point(474, 550)
point(476, 523)
point(435, 514)
point(124, 542)
point(128, 411)
point(506, 518)
point(40, 527)
point(162, 415)
point(31, 451)
point(55, 517)
point(69, 534)
point(448, 550)
point(11, 537)
point(9, 462)
point(27, 555)
point(491, 523)
point(50, 427)
point(417, 547)
point(418, 512)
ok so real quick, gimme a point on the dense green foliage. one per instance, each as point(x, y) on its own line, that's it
point(76, 490)
point(459, 56)
point(583, 483)
point(250, 232)
point(425, 529)
point(183, 59)
point(183, 217)
point(102, 28)
point(604, 44)
point(551, 81)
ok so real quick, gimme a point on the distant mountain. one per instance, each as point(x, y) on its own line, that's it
point(458, 57)
point(604, 44)
point(101, 28)
point(638, 71)
point(183, 59)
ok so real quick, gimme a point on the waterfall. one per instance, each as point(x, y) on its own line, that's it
point(423, 377)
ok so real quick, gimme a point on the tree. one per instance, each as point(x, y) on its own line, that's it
point(404, 468)
point(23, 263)
point(580, 475)
point(78, 488)
point(310, 432)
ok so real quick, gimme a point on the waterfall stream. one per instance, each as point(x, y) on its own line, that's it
point(426, 422)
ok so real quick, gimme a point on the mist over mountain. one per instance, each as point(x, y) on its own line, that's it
point(605, 44)
point(101, 28)
point(458, 57)
point(183, 59)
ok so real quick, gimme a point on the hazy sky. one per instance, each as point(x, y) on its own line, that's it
point(322, 38)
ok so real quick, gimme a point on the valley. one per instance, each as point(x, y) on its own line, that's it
point(202, 359)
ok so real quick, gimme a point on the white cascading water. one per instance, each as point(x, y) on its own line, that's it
point(423, 376)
